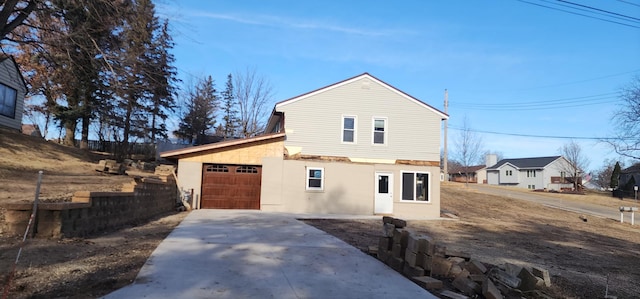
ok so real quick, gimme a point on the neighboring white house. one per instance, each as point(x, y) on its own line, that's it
point(551, 173)
point(359, 146)
point(12, 92)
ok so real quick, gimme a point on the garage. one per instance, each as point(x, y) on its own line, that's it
point(226, 174)
point(227, 186)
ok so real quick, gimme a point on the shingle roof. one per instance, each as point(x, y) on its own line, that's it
point(470, 169)
point(538, 162)
point(635, 168)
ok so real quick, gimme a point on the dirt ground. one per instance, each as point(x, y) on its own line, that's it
point(578, 254)
point(82, 268)
point(68, 268)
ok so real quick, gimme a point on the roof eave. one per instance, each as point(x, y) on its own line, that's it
point(176, 154)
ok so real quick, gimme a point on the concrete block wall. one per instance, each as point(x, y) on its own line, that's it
point(92, 212)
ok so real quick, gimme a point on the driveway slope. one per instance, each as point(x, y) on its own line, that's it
point(252, 254)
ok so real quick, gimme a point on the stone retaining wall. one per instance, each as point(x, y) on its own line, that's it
point(454, 274)
point(93, 212)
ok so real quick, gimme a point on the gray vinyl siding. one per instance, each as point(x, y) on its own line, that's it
point(509, 179)
point(554, 169)
point(526, 181)
point(314, 123)
point(10, 76)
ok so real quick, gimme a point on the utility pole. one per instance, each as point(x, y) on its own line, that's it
point(446, 159)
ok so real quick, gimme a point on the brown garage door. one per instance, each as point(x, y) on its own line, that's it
point(230, 187)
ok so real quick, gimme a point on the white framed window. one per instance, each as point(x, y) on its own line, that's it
point(508, 172)
point(531, 173)
point(315, 178)
point(8, 97)
point(380, 130)
point(349, 126)
point(416, 186)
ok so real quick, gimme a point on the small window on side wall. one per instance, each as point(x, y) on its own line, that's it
point(315, 178)
point(8, 98)
point(348, 129)
point(379, 131)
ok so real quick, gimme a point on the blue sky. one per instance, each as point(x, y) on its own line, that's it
point(509, 66)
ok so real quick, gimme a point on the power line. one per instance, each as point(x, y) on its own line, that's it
point(611, 14)
point(605, 98)
point(564, 100)
point(542, 136)
point(598, 9)
point(630, 3)
point(582, 81)
point(579, 14)
point(532, 108)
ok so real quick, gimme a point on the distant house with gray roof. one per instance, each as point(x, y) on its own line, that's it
point(629, 177)
point(551, 173)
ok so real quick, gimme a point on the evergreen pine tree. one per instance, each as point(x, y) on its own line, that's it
point(615, 176)
point(200, 116)
point(230, 118)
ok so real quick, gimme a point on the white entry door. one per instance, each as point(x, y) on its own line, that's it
point(384, 193)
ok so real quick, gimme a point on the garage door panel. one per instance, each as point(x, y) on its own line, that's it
point(231, 187)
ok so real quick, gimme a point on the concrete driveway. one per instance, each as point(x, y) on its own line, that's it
point(253, 254)
point(558, 203)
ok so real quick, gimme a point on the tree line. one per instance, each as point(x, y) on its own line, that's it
point(106, 67)
point(241, 108)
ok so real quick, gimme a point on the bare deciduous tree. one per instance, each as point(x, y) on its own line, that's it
point(253, 93)
point(606, 177)
point(578, 162)
point(627, 122)
point(468, 146)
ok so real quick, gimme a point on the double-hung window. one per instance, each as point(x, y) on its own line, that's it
point(380, 130)
point(349, 129)
point(7, 101)
point(415, 186)
point(315, 178)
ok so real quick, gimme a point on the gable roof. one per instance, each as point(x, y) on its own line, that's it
point(358, 77)
point(635, 168)
point(537, 162)
point(15, 65)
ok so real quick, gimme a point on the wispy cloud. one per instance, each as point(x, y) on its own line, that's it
point(280, 22)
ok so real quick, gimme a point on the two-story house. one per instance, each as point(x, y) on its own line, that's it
point(359, 146)
point(12, 92)
point(551, 173)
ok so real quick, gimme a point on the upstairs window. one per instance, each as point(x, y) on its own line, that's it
point(7, 101)
point(531, 173)
point(348, 129)
point(508, 172)
point(379, 131)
